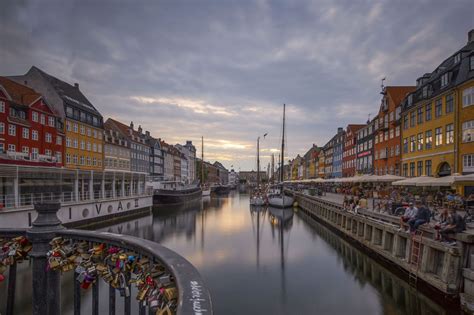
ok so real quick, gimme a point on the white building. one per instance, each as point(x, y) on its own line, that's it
point(189, 151)
point(233, 178)
point(168, 162)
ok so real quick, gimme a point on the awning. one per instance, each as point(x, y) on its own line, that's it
point(465, 179)
point(414, 181)
point(389, 178)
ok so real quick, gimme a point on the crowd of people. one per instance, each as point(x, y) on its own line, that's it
point(444, 211)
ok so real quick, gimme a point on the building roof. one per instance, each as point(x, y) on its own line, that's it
point(19, 93)
point(123, 129)
point(398, 93)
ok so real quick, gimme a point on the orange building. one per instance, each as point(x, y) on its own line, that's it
point(387, 139)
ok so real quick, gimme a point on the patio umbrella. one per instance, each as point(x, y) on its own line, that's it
point(414, 181)
point(444, 181)
point(464, 178)
point(389, 178)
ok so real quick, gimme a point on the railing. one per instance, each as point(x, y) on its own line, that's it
point(164, 279)
point(9, 202)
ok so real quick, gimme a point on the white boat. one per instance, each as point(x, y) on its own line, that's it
point(257, 201)
point(278, 197)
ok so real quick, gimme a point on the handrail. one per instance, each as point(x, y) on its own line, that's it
point(191, 289)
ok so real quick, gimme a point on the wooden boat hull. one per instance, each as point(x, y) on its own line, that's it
point(168, 197)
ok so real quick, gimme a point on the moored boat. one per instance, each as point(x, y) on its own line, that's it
point(221, 189)
point(172, 192)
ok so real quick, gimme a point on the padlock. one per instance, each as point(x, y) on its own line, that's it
point(81, 276)
point(164, 311)
point(171, 293)
point(80, 269)
point(142, 292)
point(165, 280)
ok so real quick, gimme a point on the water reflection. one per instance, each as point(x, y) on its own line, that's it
point(264, 261)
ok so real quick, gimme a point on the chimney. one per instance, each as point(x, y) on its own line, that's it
point(76, 85)
point(147, 133)
point(339, 130)
point(131, 125)
point(26, 82)
point(470, 36)
point(139, 129)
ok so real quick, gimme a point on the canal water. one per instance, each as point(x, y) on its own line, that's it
point(262, 261)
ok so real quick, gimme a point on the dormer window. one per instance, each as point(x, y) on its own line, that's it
point(425, 91)
point(457, 57)
point(410, 99)
point(445, 79)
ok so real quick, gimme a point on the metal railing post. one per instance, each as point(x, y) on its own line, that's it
point(46, 285)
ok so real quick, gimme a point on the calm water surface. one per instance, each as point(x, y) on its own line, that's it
point(264, 261)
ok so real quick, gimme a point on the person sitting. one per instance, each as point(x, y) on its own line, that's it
point(454, 225)
point(409, 214)
point(422, 216)
point(443, 221)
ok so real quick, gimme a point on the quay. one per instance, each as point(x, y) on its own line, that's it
point(446, 270)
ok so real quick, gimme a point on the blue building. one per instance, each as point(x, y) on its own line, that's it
point(338, 142)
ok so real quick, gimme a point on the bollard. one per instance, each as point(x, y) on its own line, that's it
point(46, 297)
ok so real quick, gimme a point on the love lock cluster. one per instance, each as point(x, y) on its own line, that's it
point(14, 251)
point(119, 268)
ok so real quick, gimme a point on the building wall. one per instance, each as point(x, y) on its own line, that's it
point(84, 146)
point(116, 157)
point(415, 158)
point(465, 153)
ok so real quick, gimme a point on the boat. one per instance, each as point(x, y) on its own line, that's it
point(174, 192)
point(278, 198)
point(256, 198)
point(206, 190)
point(221, 189)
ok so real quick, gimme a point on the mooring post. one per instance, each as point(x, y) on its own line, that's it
point(46, 297)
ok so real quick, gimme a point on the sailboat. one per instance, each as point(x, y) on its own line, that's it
point(257, 197)
point(278, 198)
point(206, 190)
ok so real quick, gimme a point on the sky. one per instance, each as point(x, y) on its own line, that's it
point(223, 69)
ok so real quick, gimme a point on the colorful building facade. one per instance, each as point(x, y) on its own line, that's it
point(349, 156)
point(387, 140)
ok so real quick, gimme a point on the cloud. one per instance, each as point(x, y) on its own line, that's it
point(222, 70)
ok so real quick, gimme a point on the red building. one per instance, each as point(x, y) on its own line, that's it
point(349, 155)
point(30, 132)
point(388, 140)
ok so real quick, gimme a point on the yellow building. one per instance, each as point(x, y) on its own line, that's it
point(432, 118)
point(84, 146)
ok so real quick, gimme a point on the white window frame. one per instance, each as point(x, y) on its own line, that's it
point(468, 97)
point(34, 153)
point(11, 148)
point(48, 137)
point(34, 116)
point(468, 131)
point(42, 119)
point(2, 128)
point(26, 133)
point(34, 135)
point(51, 121)
point(468, 163)
point(11, 130)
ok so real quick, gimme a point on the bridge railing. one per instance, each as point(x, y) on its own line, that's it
point(162, 278)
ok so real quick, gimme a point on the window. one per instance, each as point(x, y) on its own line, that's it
point(445, 79)
point(420, 141)
point(99, 148)
point(25, 150)
point(467, 131)
point(397, 149)
point(59, 140)
point(51, 121)
point(468, 162)
point(438, 108)
point(34, 135)
point(88, 146)
point(74, 127)
point(68, 142)
point(59, 157)
point(69, 113)
point(457, 57)
point(449, 103)
point(34, 153)
point(468, 95)
point(83, 145)
point(419, 119)
point(74, 159)
point(428, 139)
point(88, 160)
point(412, 169)
point(397, 131)
point(449, 133)
point(94, 147)
point(405, 121)
point(428, 171)
point(412, 144)
point(83, 130)
point(11, 148)
point(68, 158)
point(11, 130)
point(26, 133)
point(47, 152)
point(392, 131)
point(428, 112)
point(94, 133)
point(82, 161)
point(88, 132)
point(48, 138)
point(386, 135)
point(419, 166)
point(412, 118)
point(42, 119)
point(2, 106)
point(75, 143)
point(438, 136)
point(405, 169)
point(34, 116)
point(2, 128)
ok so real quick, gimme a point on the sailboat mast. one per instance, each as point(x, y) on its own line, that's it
point(272, 173)
point(282, 160)
point(202, 160)
point(258, 163)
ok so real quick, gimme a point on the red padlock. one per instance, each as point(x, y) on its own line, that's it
point(2, 277)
